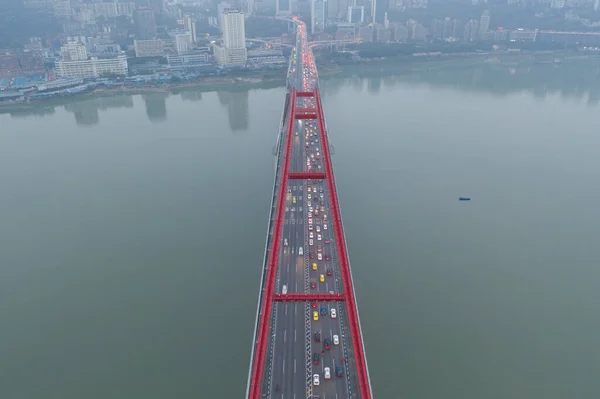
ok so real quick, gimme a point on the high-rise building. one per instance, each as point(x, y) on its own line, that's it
point(183, 42)
point(220, 10)
point(190, 27)
point(233, 51)
point(318, 15)
point(73, 51)
point(471, 31)
point(356, 15)
point(234, 34)
point(333, 9)
point(62, 8)
point(145, 24)
point(484, 22)
point(283, 7)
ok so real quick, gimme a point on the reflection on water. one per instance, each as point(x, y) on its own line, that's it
point(237, 108)
point(156, 106)
point(191, 95)
point(577, 80)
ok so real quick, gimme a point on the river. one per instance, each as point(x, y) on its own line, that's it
point(132, 235)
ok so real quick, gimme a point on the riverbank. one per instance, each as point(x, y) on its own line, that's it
point(327, 69)
point(213, 83)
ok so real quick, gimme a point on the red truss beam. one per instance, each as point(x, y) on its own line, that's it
point(267, 304)
point(306, 110)
point(306, 113)
point(353, 321)
point(308, 297)
point(305, 94)
point(305, 116)
point(306, 176)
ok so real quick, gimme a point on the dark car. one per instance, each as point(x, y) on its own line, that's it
point(329, 272)
point(313, 285)
point(317, 337)
point(326, 344)
point(339, 371)
point(323, 311)
point(327, 241)
point(316, 359)
point(311, 255)
point(327, 257)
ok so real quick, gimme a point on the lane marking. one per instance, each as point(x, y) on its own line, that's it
point(294, 366)
point(295, 335)
point(286, 308)
point(284, 335)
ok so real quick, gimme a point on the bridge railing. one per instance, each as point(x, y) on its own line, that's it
point(278, 151)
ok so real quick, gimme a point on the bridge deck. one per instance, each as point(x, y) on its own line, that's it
point(307, 318)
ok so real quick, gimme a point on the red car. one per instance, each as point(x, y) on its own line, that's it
point(329, 273)
point(313, 285)
point(327, 257)
point(314, 305)
point(327, 241)
point(311, 255)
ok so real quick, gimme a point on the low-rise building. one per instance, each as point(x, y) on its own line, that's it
point(93, 67)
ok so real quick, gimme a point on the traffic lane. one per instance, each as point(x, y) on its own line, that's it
point(338, 353)
point(282, 321)
point(333, 356)
point(288, 354)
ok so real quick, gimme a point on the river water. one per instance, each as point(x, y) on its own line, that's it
point(132, 234)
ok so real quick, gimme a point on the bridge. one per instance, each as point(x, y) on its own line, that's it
point(307, 338)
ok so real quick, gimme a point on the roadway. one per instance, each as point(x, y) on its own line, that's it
point(291, 365)
point(307, 263)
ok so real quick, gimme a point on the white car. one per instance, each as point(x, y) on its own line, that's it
point(333, 313)
point(310, 227)
point(314, 189)
point(311, 242)
point(316, 379)
point(325, 225)
point(311, 235)
point(319, 237)
point(318, 229)
point(308, 196)
point(309, 214)
point(300, 251)
point(319, 256)
point(336, 340)
point(309, 221)
point(327, 373)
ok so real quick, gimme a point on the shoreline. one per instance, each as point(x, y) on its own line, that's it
point(329, 69)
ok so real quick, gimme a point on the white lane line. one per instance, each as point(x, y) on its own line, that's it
point(294, 366)
point(286, 308)
point(284, 335)
point(296, 309)
point(284, 367)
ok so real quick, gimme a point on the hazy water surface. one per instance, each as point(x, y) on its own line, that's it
point(132, 234)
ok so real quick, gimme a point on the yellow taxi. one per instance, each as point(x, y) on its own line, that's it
point(293, 200)
point(322, 278)
point(316, 316)
point(314, 266)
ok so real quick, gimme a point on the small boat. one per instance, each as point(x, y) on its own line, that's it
point(464, 198)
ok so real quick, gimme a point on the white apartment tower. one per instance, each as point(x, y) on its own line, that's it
point(233, 51)
point(234, 34)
